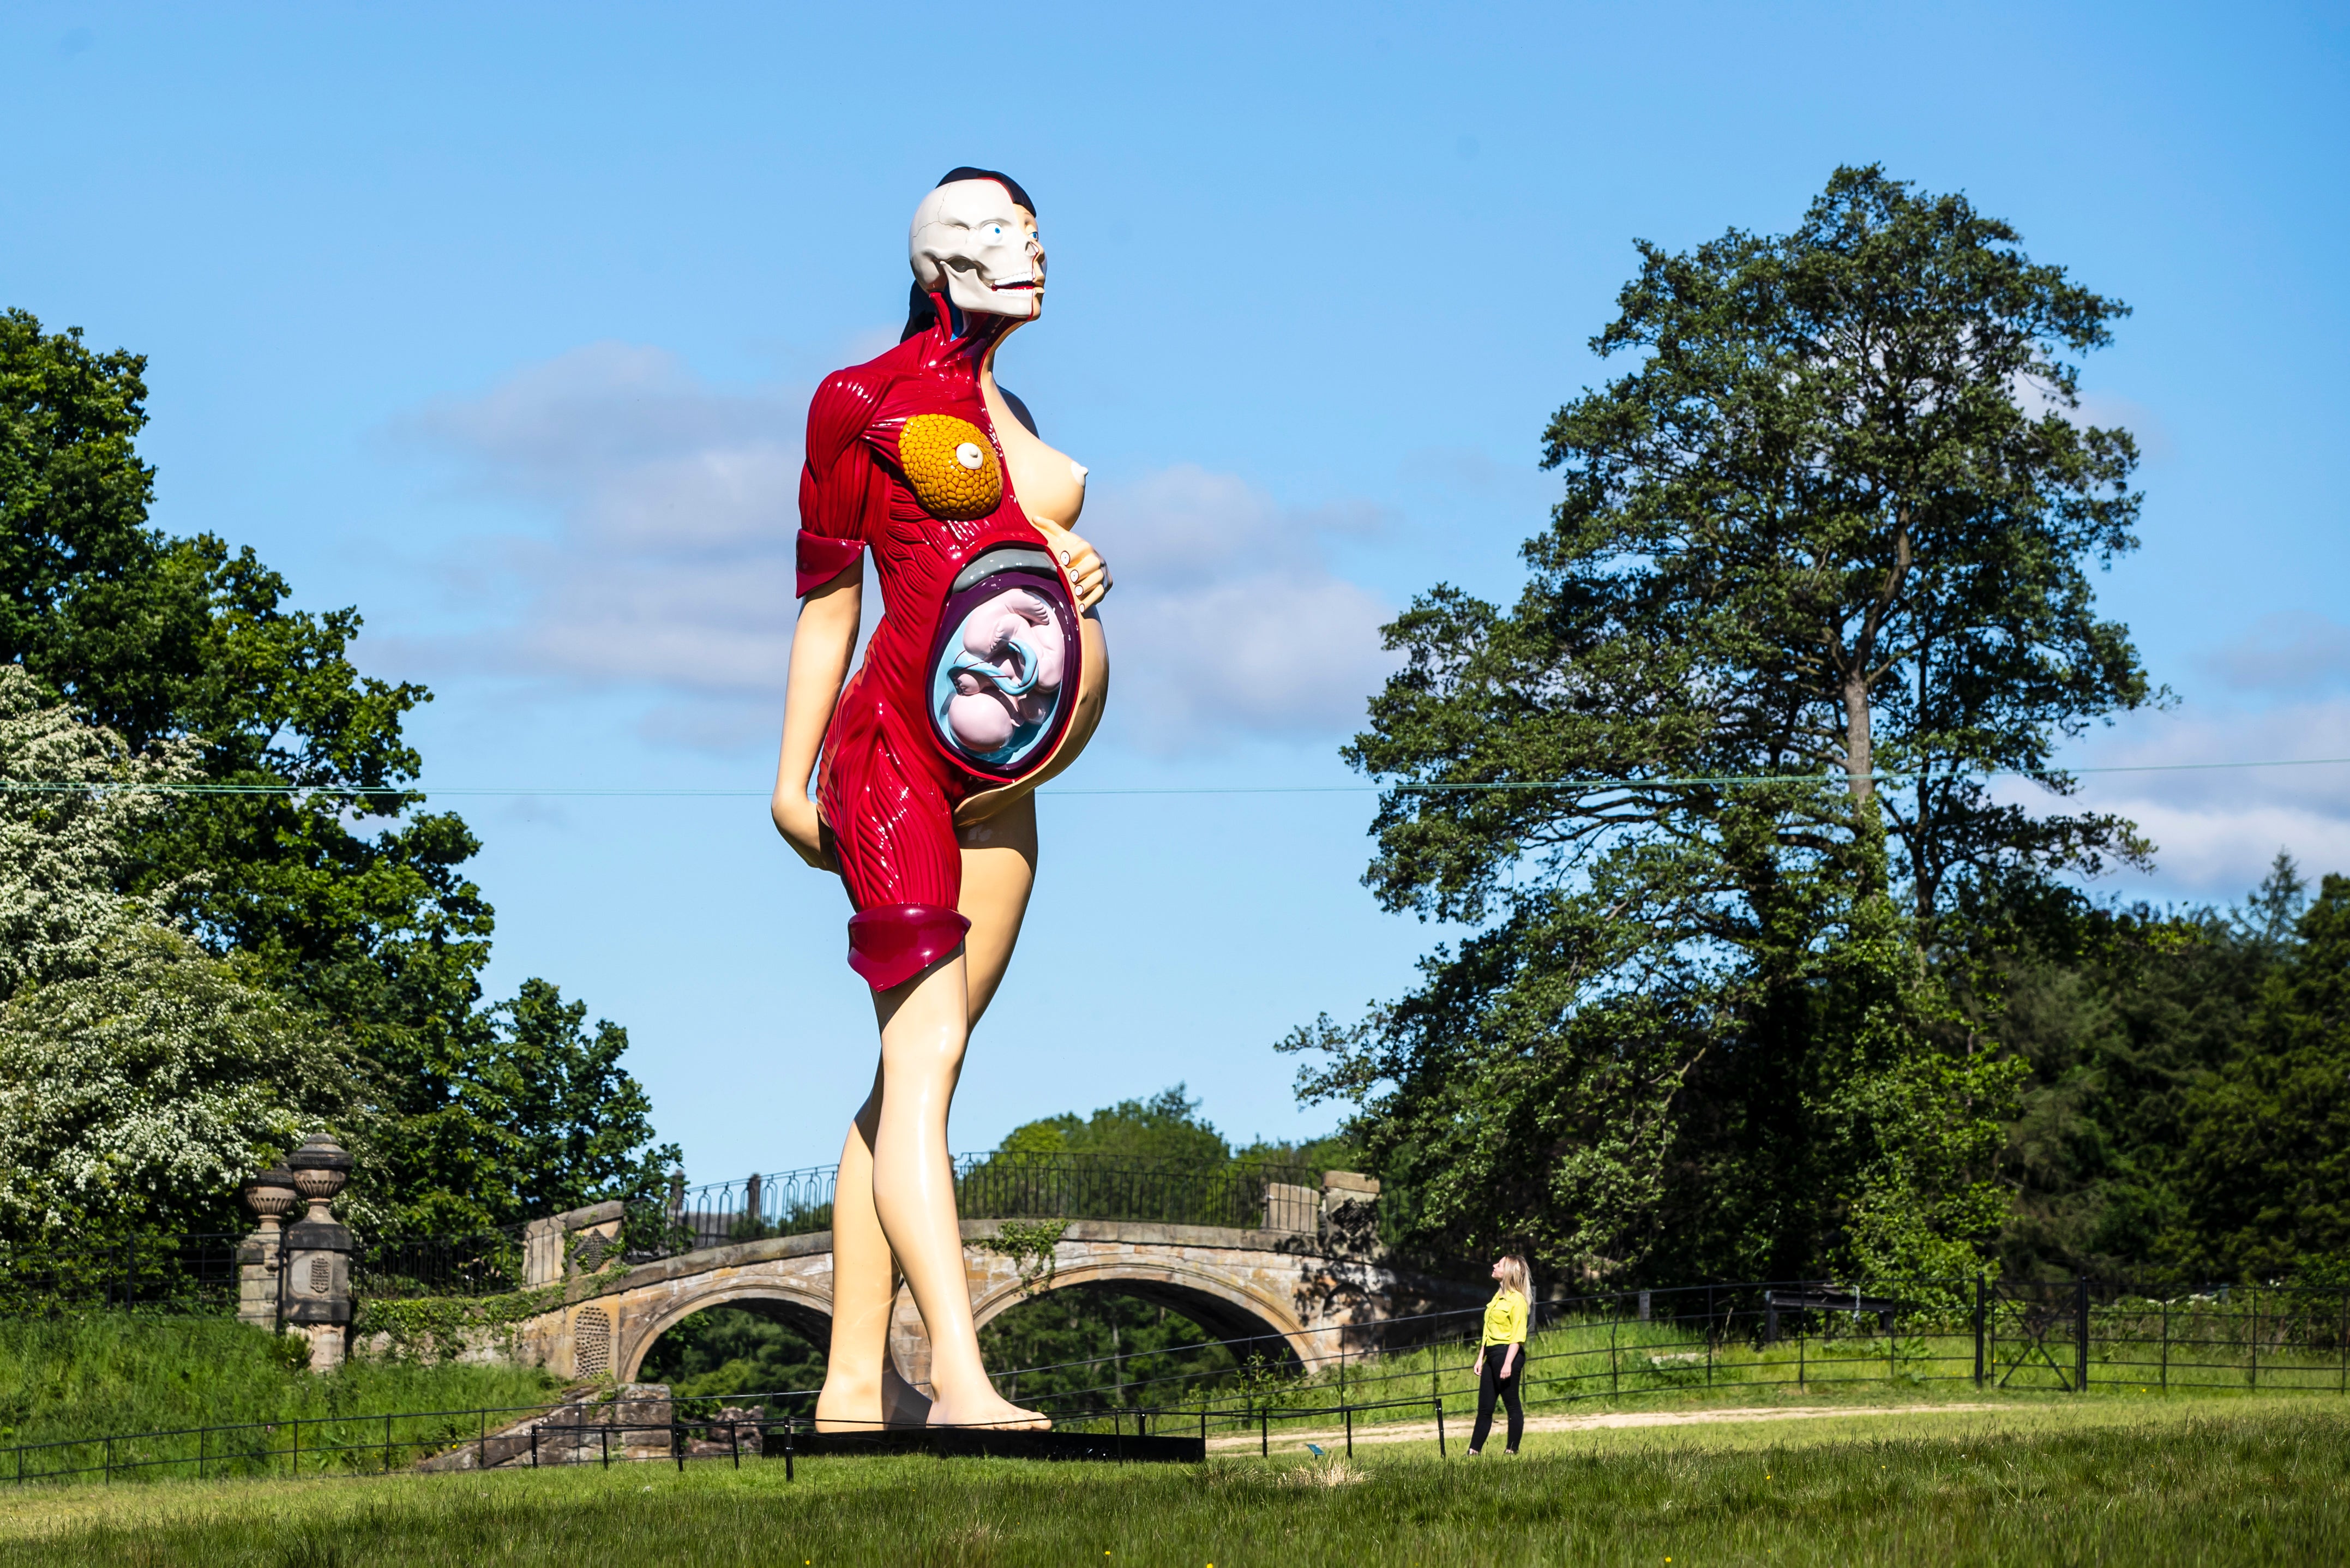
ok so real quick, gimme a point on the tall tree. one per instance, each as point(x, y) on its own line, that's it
point(140, 1077)
point(2266, 1169)
point(2120, 1017)
point(330, 876)
point(1835, 524)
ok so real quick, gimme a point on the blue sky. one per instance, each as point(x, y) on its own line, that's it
point(499, 323)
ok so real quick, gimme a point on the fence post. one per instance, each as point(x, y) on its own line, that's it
point(788, 1422)
point(2080, 1334)
point(2253, 1341)
point(1709, 1337)
point(481, 1443)
point(533, 1448)
point(1979, 1329)
point(1264, 1432)
point(294, 1449)
point(1350, 1409)
point(2165, 1345)
point(387, 1445)
point(677, 1442)
point(1614, 1383)
point(1439, 1426)
point(110, 1458)
point(2342, 1346)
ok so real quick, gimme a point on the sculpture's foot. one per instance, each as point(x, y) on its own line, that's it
point(850, 1403)
point(987, 1409)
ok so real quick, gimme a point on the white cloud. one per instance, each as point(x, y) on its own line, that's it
point(670, 566)
point(1227, 620)
point(2216, 829)
point(2294, 651)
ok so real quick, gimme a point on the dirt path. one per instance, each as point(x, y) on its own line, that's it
point(1292, 1440)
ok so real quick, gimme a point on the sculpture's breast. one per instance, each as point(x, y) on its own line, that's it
point(1051, 484)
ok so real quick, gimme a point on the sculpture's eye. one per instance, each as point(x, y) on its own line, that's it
point(994, 233)
point(969, 456)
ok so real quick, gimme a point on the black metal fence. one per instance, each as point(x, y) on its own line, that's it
point(1805, 1337)
point(1791, 1336)
point(198, 1274)
point(173, 1273)
point(392, 1267)
point(1245, 1195)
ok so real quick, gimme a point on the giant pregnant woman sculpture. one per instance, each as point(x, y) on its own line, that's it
point(985, 677)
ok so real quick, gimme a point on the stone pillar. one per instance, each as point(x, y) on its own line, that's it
point(271, 1196)
point(1350, 1214)
point(318, 1254)
point(576, 1242)
point(1291, 1209)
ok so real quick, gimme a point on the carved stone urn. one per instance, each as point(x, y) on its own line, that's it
point(272, 1195)
point(318, 1277)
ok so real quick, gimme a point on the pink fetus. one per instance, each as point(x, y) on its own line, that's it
point(1008, 673)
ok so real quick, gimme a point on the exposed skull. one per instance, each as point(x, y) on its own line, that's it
point(983, 245)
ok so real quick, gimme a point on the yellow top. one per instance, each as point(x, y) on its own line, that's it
point(1505, 1318)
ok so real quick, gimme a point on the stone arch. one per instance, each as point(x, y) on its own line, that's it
point(807, 1312)
point(1226, 1307)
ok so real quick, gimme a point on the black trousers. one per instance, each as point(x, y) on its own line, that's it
point(1491, 1382)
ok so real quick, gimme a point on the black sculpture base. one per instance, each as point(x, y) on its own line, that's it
point(983, 1443)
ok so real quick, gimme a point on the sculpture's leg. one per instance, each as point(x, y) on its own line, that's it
point(861, 1390)
point(999, 869)
point(924, 1028)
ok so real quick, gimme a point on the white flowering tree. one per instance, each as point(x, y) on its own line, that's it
point(140, 1076)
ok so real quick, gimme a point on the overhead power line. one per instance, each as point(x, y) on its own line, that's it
point(1831, 776)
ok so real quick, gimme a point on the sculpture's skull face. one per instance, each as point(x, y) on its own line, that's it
point(972, 235)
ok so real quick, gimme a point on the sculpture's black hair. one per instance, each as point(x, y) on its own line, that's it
point(919, 312)
point(1006, 181)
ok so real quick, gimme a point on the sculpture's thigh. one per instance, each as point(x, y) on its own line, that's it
point(999, 869)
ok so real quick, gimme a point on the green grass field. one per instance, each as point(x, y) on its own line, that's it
point(2134, 1352)
point(84, 1376)
point(2037, 1480)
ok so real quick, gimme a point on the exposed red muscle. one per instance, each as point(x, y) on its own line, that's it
point(888, 786)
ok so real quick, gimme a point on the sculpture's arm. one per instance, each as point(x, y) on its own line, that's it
point(822, 645)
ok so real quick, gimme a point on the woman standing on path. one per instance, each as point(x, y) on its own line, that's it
point(1502, 1356)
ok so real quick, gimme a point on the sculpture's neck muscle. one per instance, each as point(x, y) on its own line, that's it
point(1051, 484)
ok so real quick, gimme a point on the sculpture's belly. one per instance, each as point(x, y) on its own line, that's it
point(1005, 664)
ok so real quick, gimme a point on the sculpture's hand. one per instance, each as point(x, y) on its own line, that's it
point(796, 819)
point(1088, 571)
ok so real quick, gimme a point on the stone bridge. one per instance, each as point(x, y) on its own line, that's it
point(1297, 1296)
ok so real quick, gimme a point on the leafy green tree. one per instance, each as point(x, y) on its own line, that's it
point(327, 876)
point(1093, 1346)
point(723, 1351)
point(2266, 1169)
point(2117, 1017)
point(141, 1078)
point(134, 1099)
point(1167, 1125)
point(1834, 525)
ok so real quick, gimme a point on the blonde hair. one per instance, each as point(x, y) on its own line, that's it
point(1515, 1277)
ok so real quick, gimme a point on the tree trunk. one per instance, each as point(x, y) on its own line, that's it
point(1857, 764)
